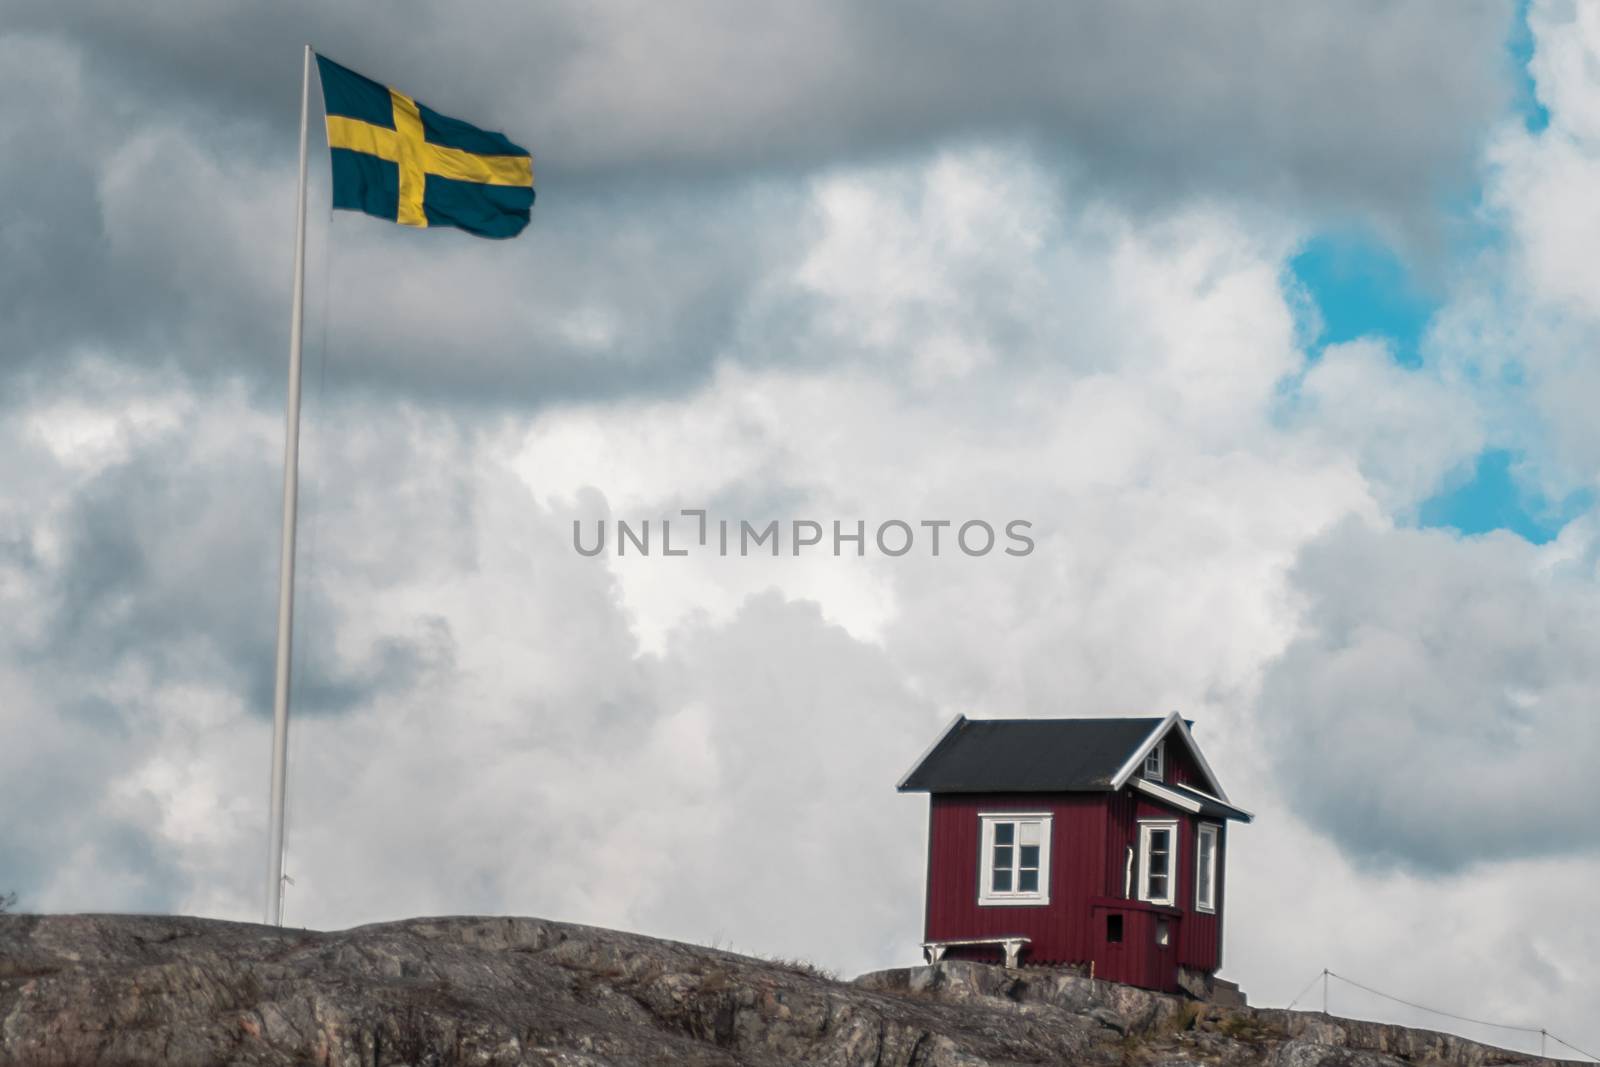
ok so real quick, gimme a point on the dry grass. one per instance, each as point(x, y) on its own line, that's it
point(1242, 1026)
point(805, 967)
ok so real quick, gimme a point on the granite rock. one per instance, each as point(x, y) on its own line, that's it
point(125, 990)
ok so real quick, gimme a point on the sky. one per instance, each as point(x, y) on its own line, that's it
point(1277, 325)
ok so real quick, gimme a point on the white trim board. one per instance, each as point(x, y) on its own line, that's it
point(1144, 785)
point(1172, 796)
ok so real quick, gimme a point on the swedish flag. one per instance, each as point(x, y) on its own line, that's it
point(403, 161)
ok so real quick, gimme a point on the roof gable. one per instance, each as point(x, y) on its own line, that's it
point(1172, 724)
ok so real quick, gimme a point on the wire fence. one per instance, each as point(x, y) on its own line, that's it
point(1544, 1035)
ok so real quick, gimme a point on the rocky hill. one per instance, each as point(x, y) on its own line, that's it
point(98, 989)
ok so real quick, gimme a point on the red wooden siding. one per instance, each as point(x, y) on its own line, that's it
point(1059, 930)
point(1089, 838)
point(1196, 933)
point(1122, 834)
point(1138, 959)
point(1180, 767)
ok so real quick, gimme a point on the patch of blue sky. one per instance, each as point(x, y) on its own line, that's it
point(1362, 289)
point(1494, 499)
point(1519, 49)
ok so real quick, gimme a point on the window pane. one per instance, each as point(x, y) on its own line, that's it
point(1205, 868)
point(1003, 832)
point(1029, 857)
point(1028, 882)
point(1028, 833)
point(1156, 863)
point(1002, 857)
point(1002, 880)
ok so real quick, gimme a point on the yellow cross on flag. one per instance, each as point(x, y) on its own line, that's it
point(401, 160)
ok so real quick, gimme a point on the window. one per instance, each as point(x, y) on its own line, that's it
point(1155, 763)
point(1014, 867)
point(1158, 861)
point(1205, 869)
point(1163, 933)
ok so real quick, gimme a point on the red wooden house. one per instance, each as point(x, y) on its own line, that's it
point(1095, 843)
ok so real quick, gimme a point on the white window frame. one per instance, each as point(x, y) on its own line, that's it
point(1205, 888)
point(1145, 837)
point(986, 894)
point(1155, 762)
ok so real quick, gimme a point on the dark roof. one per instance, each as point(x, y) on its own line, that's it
point(1028, 755)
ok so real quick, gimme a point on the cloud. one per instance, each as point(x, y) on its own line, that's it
point(1512, 952)
point(1370, 109)
point(142, 538)
point(1407, 429)
point(167, 249)
point(1433, 711)
point(1523, 321)
point(685, 798)
point(676, 145)
point(473, 716)
point(66, 838)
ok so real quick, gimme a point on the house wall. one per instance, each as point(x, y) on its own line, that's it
point(1122, 834)
point(1197, 935)
point(1200, 943)
point(1089, 837)
point(1138, 959)
point(1181, 768)
point(1059, 931)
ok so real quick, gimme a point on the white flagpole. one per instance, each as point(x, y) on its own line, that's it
point(291, 492)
